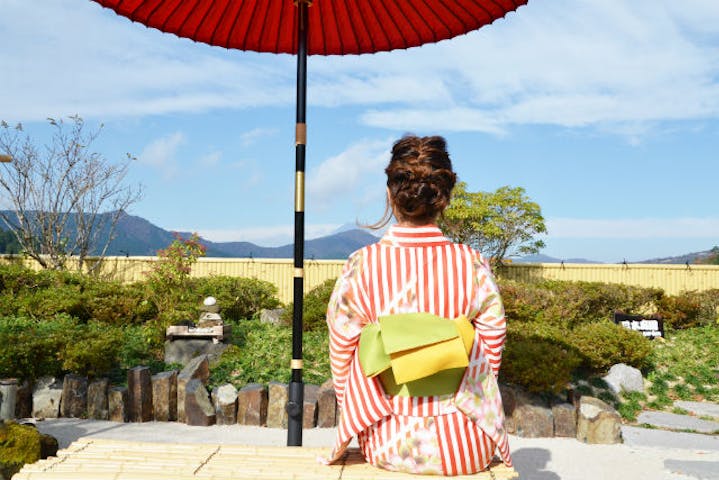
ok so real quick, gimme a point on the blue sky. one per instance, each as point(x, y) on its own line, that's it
point(605, 111)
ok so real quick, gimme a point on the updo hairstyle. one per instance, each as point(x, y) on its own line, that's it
point(420, 178)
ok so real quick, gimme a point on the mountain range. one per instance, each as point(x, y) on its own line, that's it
point(136, 236)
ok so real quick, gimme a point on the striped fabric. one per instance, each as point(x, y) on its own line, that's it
point(418, 270)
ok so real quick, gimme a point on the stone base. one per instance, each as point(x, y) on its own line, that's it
point(182, 351)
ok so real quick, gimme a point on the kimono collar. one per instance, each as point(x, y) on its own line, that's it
point(425, 236)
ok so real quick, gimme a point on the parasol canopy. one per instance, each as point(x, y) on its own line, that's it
point(311, 27)
point(339, 27)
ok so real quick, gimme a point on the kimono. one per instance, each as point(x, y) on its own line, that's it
point(412, 270)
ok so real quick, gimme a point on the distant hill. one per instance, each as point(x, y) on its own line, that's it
point(541, 258)
point(681, 259)
point(135, 236)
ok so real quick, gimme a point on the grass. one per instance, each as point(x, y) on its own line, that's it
point(685, 366)
point(271, 352)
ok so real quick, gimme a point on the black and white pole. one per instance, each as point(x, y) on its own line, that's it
point(296, 394)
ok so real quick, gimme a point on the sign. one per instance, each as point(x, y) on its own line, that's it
point(649, 327)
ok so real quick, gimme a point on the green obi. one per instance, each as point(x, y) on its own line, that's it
point(416, 354)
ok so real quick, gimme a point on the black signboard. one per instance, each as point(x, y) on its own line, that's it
point(650, 327)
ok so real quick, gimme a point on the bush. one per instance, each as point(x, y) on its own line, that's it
point(573, 303)
point(314, 307)
point(690, 309)
point(30, 347)
point(115, 303)
point(93, 351)
point(604, 344)
point(238, 298)
point(537, 358)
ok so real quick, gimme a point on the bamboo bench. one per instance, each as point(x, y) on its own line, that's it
point(95, 459)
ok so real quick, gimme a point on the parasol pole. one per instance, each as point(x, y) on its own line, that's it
point(296, 393)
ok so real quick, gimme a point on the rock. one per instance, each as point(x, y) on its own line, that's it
point(46, 397)
point(598, 422)
point(198, 407)
point(252, 402)
point(164, 396)
point(97, 406)
point(48, 445)
point(118, 404)
point(271, 316)
point(8, 398)
point(20, 444)
point(327, 405)
point(532, 419)
point(197, 368)
point(224, 398)
point(565, 420)
point(74, 396)
point(622, 377)
point(184, 351)
point(23, 406)
point(309, 408)
point(278, 395)
point(139, 394)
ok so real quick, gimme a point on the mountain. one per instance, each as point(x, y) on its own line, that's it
point(541, 258)
point(681, 259)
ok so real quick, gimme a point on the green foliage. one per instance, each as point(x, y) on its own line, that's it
point(238, 298)
point(572, 303)
point(537, 358)
point(314, 307)
point(168, 278)
point(500, 224)
point(604, 344)
point(630, 404)
point(19, 444)
point(30, 347)
point(93, 350)
point(690, 309)
point(261, 353)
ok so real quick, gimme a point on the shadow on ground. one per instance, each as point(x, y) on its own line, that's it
point(531, 464)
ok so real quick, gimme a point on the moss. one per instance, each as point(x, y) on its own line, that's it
point(19, 444)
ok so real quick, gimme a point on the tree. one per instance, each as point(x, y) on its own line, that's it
point(499, 224)
point(64, 199)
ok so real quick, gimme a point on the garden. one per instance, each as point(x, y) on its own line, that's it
point(560, 334)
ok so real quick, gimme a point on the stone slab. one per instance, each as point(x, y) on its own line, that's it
point(704, 409)
point(183, 350)
point(678, 422)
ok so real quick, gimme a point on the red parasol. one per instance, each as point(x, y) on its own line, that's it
point(319, 27)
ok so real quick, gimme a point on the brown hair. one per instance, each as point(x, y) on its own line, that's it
point(419, 178)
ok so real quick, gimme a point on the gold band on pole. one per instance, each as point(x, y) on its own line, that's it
point(301, 134)
point(299, 191)
point(299, 272)
point(296, 364)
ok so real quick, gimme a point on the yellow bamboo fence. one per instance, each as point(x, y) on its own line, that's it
point(94, 459)
point(671, 278)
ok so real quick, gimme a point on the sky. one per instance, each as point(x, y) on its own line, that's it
point(605, 111)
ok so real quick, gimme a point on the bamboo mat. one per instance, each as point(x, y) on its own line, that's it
point(95, 459)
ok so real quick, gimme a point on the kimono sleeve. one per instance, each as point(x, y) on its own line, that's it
point(345, 319)
point(490, 320)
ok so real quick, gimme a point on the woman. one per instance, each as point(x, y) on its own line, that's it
point(415, 270)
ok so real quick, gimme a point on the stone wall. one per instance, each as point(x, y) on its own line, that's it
point(184, 396)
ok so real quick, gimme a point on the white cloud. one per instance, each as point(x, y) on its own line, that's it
point(647, 228)
point(161, 153)
point(616, 65)
point(211, 159)
point(250, 137)
point(359, 167)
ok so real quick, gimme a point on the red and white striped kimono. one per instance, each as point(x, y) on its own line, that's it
point(416, 269)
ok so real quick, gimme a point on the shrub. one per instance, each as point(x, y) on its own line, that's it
point(115, 303)
point(604, 344)
point(238, 298)
point(537, 358)
point(690, 309)
point(30, 347)
point(314, 307)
